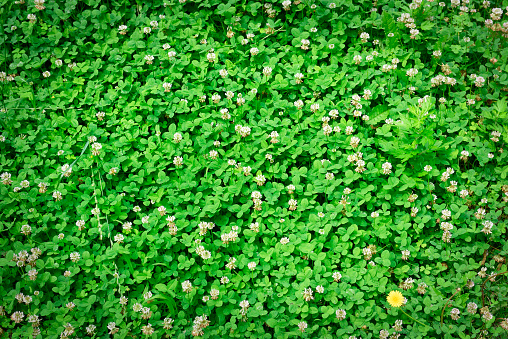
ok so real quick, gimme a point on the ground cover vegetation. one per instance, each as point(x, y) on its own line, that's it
point(314, 169)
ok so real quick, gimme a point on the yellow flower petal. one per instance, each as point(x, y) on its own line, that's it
point(395, 299)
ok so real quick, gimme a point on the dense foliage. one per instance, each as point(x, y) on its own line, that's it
point(253, 169)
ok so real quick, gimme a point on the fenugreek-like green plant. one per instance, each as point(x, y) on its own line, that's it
point(253, 169)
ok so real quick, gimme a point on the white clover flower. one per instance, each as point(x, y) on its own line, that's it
point(463, 193)
point(149, 59)
point(472, 307)
point(216, 98)
point(240, 100)
point(66, 170)
point(455, 314)
point(254, 51)
point(122, 29)
point(211, 56)
point(305, 44)
point(100, 115)
point(386, 68)
point(244, 131)
point(244, 304)
point(80, 224)
point(387, 168)
point(260, 179)
point(307, 294)
point(298, 104)
point(354, 142)
point(302, 326)
point(96, 147)
point(26, 229)
point(495, 136)
point(39, 4)
point(412, 72)
point(225, 114)
point(334, 114)
point(57, 195)
point(167, 86)
point(246, 170)
point(90, 330)
point(364, 36)
point(405, 254)
point(178, 161)
point(75, 256)
point(292, 204)
point(137, 307)
point(17, 317)
point(187, 286)
point(213, 154)
point(340, 314)
point(256, 195)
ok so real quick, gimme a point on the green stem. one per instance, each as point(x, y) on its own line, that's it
point(413, 318)
point(446, 304)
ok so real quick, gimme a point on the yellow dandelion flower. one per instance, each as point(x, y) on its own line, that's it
point(395, 299)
